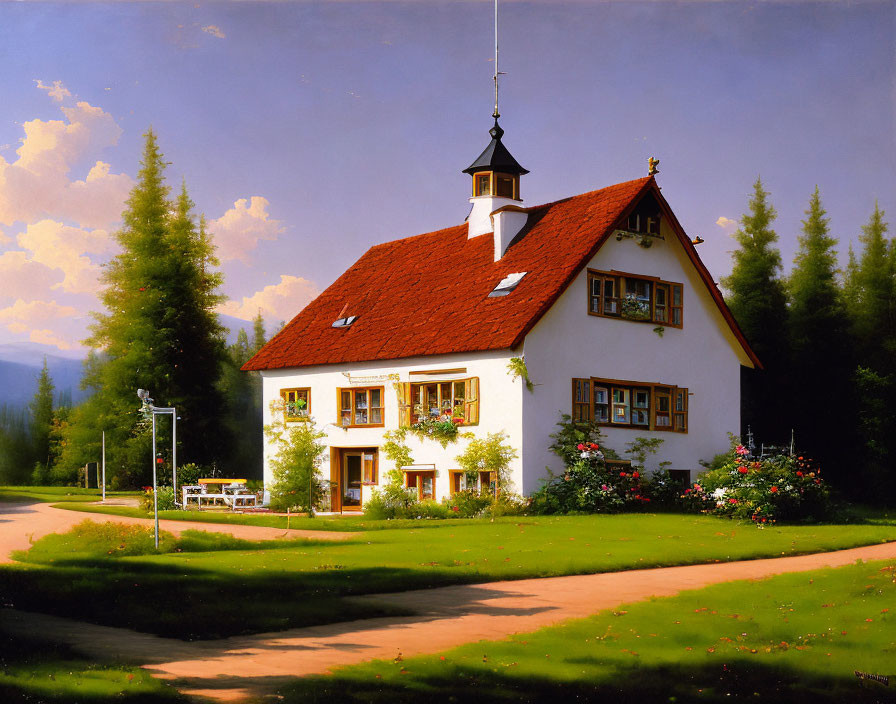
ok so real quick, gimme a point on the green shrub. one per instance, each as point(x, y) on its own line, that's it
point(391, 501)
point(166, 499)
point(294, 466)
point(89, 539)
point(663, 490)
point(506, 504)
point(488, 454)
point(782, 487)
point(468, 503)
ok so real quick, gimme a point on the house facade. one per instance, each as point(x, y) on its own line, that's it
point(602, 295)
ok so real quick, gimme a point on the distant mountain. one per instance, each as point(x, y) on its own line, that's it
point(21, 362)
point(20, 365)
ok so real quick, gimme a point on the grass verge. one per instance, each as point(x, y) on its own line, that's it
point(52, 494)
point(791, 638)
point(39, 672)
point(270, 586)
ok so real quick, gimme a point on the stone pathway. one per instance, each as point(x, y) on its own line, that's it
point(244, 667)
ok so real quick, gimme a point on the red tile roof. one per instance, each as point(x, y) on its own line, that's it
point(428, 295)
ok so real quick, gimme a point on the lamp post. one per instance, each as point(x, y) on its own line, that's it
point(149, 409)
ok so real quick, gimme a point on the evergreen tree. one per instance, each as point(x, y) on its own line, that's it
point(16, 449)
point(820, 345)
point(159, 332)
point(41, 408)
point(243, 391)
point(258, 338)
point(756, 297)
point(873, 309)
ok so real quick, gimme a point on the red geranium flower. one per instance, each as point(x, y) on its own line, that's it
point(732, 501)
point(622, 474)
point(635, 475)
point(580, 446)
point(774, 490)
point(799, 474)
point(742, 469)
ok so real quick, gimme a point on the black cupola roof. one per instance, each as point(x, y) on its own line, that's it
point(496, 157)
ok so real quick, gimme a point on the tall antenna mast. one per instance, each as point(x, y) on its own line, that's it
point(496, 114)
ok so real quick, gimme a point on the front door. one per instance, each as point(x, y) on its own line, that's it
point(350, 481)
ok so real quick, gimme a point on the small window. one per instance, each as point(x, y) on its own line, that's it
point(368, 468)
point(424, 482)
point(361, 407)
point(458, 481)
point(636, 298)
point(581, 399)
point(456, 400)
point(296, 404)
point(663, 418)
point(482, 185)
point(504, 186)
point(345, 322)
point(507, 284)
point(620, 405)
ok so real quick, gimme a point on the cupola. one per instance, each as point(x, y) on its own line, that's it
point(496, 183)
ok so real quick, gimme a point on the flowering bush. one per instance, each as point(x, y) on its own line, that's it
point(441, 430)
point(166, 499)
point(782, 487)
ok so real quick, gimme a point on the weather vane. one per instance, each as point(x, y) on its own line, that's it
point(496, 114)
point(652, 165)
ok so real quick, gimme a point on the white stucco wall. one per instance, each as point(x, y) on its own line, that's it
point(702, 356)
point(500, 409)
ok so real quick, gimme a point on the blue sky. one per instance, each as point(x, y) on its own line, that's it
point(309, 131)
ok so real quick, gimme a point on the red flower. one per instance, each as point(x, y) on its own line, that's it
point(455, 508)
point(742, 469)
point(799, 474)
point(622, 474)
point(635, 475)
point(774, 490)
point(580, 446)
point(595, 446)
point(732, 501)
point(763, 520)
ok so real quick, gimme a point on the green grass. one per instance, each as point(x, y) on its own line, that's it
point(53, 494)
point(40, 672)
point(275, 586)
point(323, 523)
point(793, 638)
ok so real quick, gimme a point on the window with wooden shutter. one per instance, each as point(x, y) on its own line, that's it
point(368, 468)
point(646, 299)
point(630, 404)
point(472, 401)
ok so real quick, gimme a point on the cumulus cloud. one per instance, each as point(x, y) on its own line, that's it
point(20, 277)
point(726, 223)
point(214, 30)
point(280, 301)
point(37, 183)
point(62, 247)
point(241, 228)
point(48, 337)
point(57, 91)
point(32, 313)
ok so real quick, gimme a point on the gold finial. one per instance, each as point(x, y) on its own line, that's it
point(697, 240)
point(653, 164)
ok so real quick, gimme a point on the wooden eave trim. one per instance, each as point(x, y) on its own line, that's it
point(706, 276)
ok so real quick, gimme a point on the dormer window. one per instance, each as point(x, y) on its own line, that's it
point(345, 322)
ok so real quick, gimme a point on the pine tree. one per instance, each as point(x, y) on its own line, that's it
point(756, 297)
point(820, 344)
point(41, 408)
point(258, 338)
point(159, 332)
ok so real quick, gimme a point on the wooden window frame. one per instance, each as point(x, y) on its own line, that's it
point(456, 481)
point(411, 400)
point(284, 395)
point(353, 390)
point(618, 281)
point(615, 394)
point(493, 184)
point(418, 475)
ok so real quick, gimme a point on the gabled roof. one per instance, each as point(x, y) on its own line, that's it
point(429, 294)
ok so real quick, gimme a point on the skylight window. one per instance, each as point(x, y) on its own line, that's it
point(345, 322)
point(507, 284)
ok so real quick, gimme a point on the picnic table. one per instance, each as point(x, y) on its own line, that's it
point(214, 492)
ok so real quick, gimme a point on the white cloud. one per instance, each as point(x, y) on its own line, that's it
point(20, 277)
point(276, 302)
point(37, 183)
point(31, 313)
point(57, 91)
point(726, 223)
point(62, 247)
point(241, 228)
point(48, 337)
point(214, 30)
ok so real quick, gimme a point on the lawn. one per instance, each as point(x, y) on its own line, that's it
point(40, 672)
point(272, 586)
point(57, 493)
point(792, 638)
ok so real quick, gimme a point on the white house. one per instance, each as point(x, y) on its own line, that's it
point(602, 294)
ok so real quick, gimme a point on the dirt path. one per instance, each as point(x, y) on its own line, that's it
point(254, 666)
point(23, 523)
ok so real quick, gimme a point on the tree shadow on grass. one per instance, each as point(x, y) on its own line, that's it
point(734, 681)
point(191, 603)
